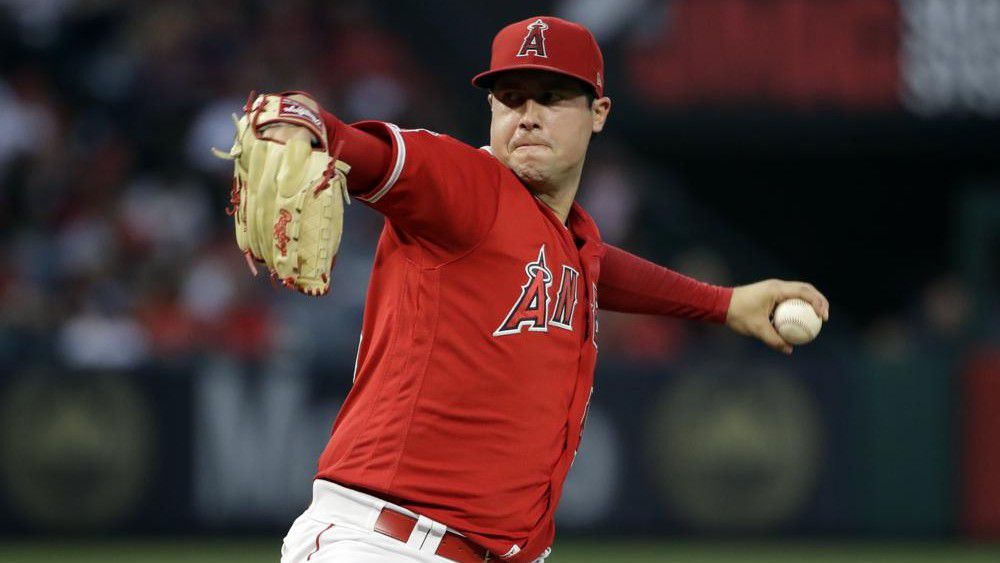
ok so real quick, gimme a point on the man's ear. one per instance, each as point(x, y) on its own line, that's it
point(489, 100)
point(599, 111)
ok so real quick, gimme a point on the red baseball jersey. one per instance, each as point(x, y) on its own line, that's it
point(477, 354)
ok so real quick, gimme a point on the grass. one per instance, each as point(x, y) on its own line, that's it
point(256, 550)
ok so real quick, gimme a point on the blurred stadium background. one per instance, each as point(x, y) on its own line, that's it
point(158, 404)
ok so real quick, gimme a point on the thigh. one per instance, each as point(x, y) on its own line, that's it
point(300, 540)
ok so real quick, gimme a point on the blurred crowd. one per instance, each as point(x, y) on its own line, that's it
point(111, 206)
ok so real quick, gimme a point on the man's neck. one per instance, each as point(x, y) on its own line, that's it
point(559, 202)
point(560, 198)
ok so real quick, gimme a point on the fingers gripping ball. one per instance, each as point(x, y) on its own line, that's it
point(796, 321)
point(287, 198)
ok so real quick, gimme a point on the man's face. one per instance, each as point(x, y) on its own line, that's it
point(541, 126)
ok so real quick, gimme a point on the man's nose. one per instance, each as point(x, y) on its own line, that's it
point(529, 115)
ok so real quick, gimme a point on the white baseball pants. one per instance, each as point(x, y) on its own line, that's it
point(339, 526)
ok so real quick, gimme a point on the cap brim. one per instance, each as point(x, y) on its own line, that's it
point(486, 79)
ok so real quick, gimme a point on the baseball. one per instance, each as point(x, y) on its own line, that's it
point(796, 321)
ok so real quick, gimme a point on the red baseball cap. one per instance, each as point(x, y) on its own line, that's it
point(546, 43)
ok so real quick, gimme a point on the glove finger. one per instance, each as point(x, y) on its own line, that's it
point(293, 167)
point(252, 161)
point(240, 211)
point(255, 154)
point(240, 143)
point(267, 210)
point(319, 238)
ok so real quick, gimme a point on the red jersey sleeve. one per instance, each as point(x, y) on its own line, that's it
point(435, 189)
point(629, 284)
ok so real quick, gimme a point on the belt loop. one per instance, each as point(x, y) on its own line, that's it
point(434, 537)
point(419, 533)
point(372, 515)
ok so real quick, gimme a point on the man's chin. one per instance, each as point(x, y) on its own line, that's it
point(531, 175)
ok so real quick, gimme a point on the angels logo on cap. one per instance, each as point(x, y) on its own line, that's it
point(534, 41)
point(550, 44)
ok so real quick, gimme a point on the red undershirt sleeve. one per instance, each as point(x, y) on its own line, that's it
point(369, 156)
point(630, 284)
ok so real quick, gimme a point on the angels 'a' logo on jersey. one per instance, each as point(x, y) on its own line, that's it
point(534, 41)
point(532, 308)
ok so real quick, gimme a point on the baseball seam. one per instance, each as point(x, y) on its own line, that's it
point(795, 321)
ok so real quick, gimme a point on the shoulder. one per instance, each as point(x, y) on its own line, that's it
point(419, 137)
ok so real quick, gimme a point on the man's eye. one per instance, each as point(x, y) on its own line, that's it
point(510, 99)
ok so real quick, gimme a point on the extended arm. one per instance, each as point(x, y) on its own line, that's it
point(630, 284)
point(434, 190)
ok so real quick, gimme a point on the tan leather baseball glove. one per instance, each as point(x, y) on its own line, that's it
point(287, 198)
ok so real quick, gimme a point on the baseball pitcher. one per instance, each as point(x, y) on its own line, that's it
point(480, 335)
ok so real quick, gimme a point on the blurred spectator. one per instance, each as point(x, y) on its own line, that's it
point(27, 125)
point(946, 309)
point(603, 19)
point(96, 339)
point(39, 20)
point(212, 127)
point(610, 191)
point(935, 325)
point(163, 217)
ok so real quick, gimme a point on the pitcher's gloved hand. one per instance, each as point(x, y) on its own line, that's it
point(288, 191)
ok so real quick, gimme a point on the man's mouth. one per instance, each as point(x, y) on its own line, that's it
point(528, 145)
